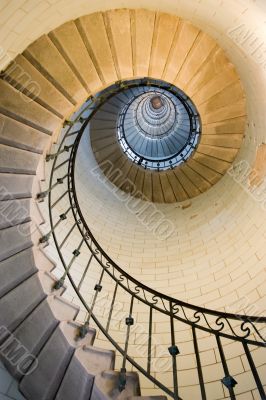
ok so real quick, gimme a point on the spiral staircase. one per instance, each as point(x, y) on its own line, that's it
point(85, 74)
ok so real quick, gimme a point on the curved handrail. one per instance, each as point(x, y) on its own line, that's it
point(175, 309)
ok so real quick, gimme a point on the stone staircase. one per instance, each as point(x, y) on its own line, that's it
point(65, 68)
point(39, 319)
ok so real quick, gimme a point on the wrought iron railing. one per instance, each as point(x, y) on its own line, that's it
point(100, 275)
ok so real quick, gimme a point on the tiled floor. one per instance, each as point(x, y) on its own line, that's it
point(8, 386)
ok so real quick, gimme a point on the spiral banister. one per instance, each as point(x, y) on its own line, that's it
point(181, 316)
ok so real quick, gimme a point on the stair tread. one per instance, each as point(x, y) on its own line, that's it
point(24, 298)
point(15, 186)
point(42, 260)
point(44, 91)
point(68, 38)
point(59, 72)
point(18, 161)
point(53, 361)
point(106, 386)
point(62, 308)
point(95, 360)
point(31, 113)
point(14, 239)
point(48, 280)
point(28, 139)
point(33, 334)
point(70, 330)
point(15, 270)
point(15, 212)
point(76, 384)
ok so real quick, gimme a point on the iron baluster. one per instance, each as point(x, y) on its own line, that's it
point(122, 375)
point(199, 368)
point(42, 195)
point(85, 272)
point(72, 133)
point(75, 253)
point(111, 308)
point(228, 380)
point(67, 236)
point(83, 330)
point(254, 371)
point(62, 164)
point(62, 217)
point(60, 198)
point(174, 351)
point(149, 342)
point(54, 155)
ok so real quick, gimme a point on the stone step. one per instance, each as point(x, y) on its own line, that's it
point(96, 360)
point(42, 260)
point(32, 334)
point(14, 212)
point(15, 186)
point(18, 161)
point(57, 72)
point(213, 163)
point(22, 299)
point(14, 239)
point(102, 143)
point(104, 154)
point(35, 214)
point(44, 92)
point(103, 124)
point(105, 115)
point(122, 40)
point(18, 106)
point(41, 169)
point(70, 44)
point(48, 281)
point(124, 97)
point(14, 133)
point(53, 361)
point(106, 386)
point(197, 180)
point(102, 134)
point(62, 309)
point(93, 32)
point(118, 102)
point(79, 378)
point(110, 108)
point(208, 173)
point(76, 384)
point(15, 270)
point(70, 330)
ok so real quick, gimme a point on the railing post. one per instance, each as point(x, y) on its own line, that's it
point(75, 253)
point(174, 351)
point(122, 375)
point(83, 330)
point(228, 381)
